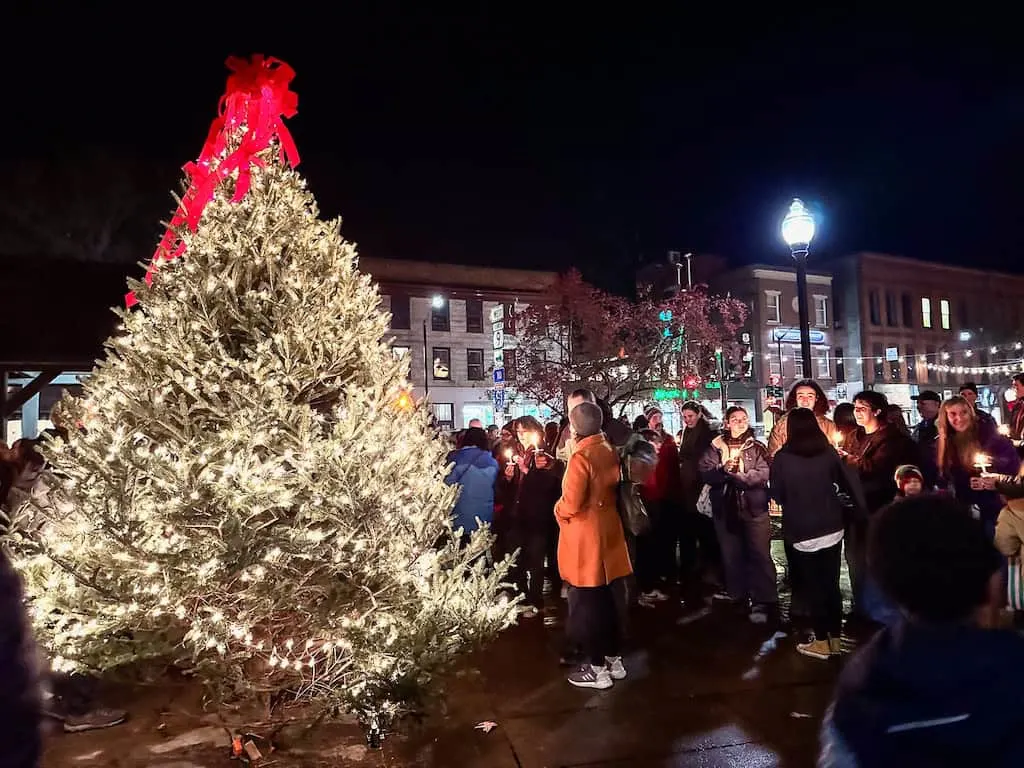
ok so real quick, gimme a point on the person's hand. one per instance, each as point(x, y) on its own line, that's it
point(541, 460)
point(510, 471)
point(977, 484)
point(842, 452)
point(987, 481)
point(733, 465)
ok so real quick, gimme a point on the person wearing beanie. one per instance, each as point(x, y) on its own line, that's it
point(909, 480)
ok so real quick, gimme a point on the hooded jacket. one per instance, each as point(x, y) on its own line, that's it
point(475, 472)
point(929, 696)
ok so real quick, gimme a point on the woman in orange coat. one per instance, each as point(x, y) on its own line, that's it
point(592, 549)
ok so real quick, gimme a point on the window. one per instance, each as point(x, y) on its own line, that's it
point(823, 370)
point(475, 364)
point(891, 310)
point(798, 361)
point(474, 316)
point(879, 358)
point(944, 313)
point(821, 311)
point(444, 414)
point(926, 312)
point(442, 363)
point(875, 308)
point(441, 317)
point(908, 310)
point(840, 366)
point(399, 352)
point(772, 307)
point(510, 365)
point(911, 366)
point(400, 312)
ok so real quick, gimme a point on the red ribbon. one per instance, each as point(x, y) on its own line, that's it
point(257, 99)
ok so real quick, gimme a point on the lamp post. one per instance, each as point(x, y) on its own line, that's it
point(436, 302)
point(798, 231)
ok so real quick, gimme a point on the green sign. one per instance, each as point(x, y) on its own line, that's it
point(713, 385)
point(676, 394)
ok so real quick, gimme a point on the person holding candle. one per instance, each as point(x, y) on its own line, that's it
point(969, 447)
point(875, 451)
point(529, 487)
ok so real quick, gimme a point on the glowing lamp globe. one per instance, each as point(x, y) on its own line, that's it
point(798, 226)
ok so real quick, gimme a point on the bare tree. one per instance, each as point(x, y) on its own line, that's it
point(93, 205)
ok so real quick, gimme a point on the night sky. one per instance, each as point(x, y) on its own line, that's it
point(539, 138)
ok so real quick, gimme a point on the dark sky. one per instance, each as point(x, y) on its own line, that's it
point(528, 136)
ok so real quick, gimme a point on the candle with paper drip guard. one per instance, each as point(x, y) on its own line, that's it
point(982, 462)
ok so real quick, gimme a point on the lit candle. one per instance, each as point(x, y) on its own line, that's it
point(1004, 430)
point(508, 455)
point(982, 462)
point(837, 439)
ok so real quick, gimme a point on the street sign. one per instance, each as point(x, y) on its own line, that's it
point(499, 400)
point(499, 375)
point(774, 379)
point(498, 336)
point(498, 313)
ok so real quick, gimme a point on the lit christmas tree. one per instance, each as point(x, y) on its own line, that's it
point(251, 493)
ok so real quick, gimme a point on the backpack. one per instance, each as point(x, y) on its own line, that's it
point(631, 506)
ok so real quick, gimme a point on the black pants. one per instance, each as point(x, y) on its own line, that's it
point(697, 539)
point(650, 562)
point(528, 572)
point(747, 557)
point(798, 598)
point(593, 622)
point(551, 555)
point(818, 576)
point(856, 545)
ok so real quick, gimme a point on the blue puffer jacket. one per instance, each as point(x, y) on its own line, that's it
point(475, 471)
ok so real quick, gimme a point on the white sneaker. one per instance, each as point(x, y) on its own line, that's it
point(615, 668)
point(589, 676)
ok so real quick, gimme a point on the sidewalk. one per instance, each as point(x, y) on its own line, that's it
point(715, 692)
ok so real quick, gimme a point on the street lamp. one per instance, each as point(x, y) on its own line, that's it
point(798, 231)
point(436, 302)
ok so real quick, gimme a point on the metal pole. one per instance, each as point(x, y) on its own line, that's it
point(800, 255)
point(426, 364)
point(689, 275)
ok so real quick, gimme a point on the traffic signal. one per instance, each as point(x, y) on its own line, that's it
point(691, 382)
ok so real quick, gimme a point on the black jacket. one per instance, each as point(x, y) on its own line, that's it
point(876, 458)
point(20, 702)
point(807, 487)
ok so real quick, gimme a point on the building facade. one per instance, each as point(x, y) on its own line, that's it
point(916, 325)
point(771, 339)
point(446, 319)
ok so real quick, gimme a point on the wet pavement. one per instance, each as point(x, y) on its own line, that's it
point(715, 691)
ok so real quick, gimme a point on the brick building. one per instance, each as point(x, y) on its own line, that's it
point(772, 332)
point(917, 325)
point(441, 317)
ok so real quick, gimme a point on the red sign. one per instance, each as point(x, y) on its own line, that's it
point(774, 379)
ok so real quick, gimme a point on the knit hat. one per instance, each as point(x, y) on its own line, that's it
point(905, 474)
point(650, 411)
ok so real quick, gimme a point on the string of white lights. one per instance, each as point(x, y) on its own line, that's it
point(940, 357)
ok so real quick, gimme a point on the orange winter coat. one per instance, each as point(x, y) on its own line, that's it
point(591, 544)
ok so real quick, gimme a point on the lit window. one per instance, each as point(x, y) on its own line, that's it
point(824, 369)
point(926, 312)
point(944, 313)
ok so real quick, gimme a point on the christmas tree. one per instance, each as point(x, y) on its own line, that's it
point(250, 492)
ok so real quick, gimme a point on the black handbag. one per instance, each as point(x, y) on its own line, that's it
point(632, 510)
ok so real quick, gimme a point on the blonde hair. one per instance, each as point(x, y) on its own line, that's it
point(953, 444)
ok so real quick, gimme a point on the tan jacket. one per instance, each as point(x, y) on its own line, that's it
point(591, 543)
point(777, 439)
point(1010, 528)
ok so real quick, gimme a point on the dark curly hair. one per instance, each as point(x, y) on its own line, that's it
point(820, 401)
point(932, 558)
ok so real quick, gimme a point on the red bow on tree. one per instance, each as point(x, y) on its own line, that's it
point(250, 116)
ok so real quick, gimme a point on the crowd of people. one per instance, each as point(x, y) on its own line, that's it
point(930, 523)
